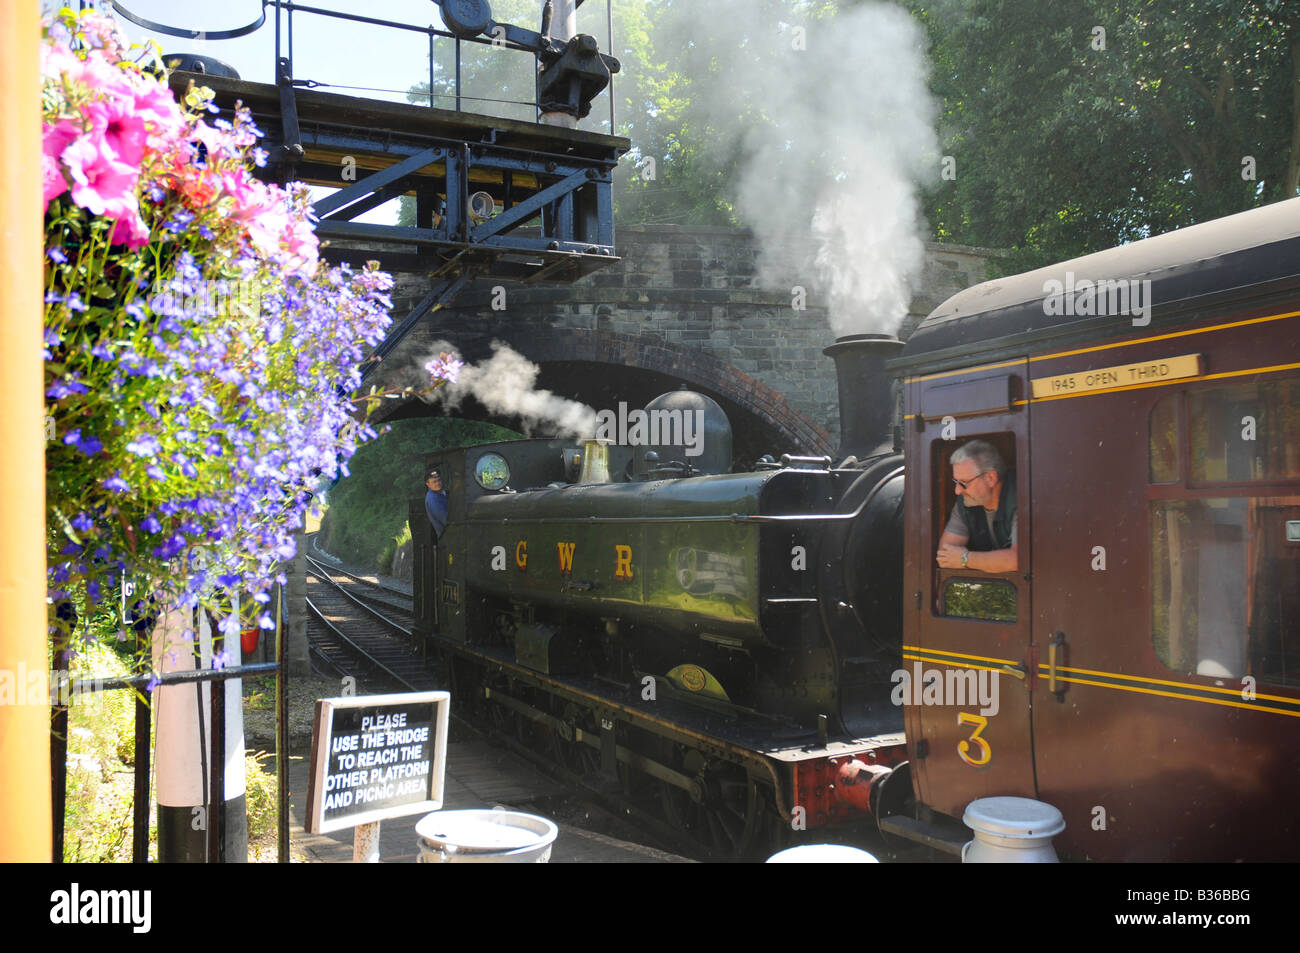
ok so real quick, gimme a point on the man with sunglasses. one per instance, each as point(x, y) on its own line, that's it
point(981, 532)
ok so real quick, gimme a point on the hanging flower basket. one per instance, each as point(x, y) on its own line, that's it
point(200, 358)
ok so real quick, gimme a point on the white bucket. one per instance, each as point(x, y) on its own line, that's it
point(485, 837)
point(822, 854)
point(1011, 830)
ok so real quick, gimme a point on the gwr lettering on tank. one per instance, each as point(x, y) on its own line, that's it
point(564, 553)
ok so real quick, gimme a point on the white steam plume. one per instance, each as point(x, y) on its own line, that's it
point(506, 384)
point(835, 138)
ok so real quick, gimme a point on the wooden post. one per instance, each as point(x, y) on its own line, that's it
point(25, 832)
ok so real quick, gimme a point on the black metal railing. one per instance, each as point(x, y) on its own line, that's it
point(284, 45)
point(144, 684)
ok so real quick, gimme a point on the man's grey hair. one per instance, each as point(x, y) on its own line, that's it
point(984, 455)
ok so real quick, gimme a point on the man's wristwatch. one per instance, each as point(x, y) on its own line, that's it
point(964, 556)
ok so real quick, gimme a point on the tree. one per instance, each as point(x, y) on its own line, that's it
point(1076, 125)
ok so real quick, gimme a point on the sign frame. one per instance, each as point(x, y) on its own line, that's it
point(1159, 370)
point(323, 740)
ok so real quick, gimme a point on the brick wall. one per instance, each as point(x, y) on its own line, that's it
point(678, 292)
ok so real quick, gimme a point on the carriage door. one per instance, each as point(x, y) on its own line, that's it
point(966, 645)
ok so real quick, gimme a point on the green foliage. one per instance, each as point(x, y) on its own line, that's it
point(390, 549)
point(101, 749)
point(97, 818)
point(261, 694)
point(261, 797)
point(1063, 147)
point(971, 599)
point(368, 510)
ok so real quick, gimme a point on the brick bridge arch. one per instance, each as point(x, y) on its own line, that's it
point(601, 368)
point(683, 305)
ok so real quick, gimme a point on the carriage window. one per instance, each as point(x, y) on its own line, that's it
point(971, 596)
point(1164, 440)
point(1245, 433)
point(1225, 601)
point(993, 599)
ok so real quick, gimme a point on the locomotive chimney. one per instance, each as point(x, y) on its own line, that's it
point(866, 401)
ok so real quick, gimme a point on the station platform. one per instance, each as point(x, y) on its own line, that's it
point(481, 776)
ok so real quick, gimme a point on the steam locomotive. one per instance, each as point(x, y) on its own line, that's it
point(757, 654)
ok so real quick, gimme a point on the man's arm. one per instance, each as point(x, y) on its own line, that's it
point(997, 560)
point(952, 547)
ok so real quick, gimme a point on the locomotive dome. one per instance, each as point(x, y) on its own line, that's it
point(698, 425)
point(1166, 277)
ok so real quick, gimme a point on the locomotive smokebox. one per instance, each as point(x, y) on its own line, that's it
point(866, 400)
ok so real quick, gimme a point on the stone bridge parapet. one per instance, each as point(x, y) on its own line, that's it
point(683, 305)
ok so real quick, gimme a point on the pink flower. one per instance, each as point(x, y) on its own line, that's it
point(57, 59)
point(248, 193)
point(101, 183)
point(54, 139)
point(266, 226)
point(53, 184)
point(94, 72)
point(155, 104)
point(303, 244)
point(112, 121)
point(131, 229)
point(102, 32)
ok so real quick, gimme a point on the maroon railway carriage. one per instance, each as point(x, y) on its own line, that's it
point(1147, 649)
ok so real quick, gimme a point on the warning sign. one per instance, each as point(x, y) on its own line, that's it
point(375, 757)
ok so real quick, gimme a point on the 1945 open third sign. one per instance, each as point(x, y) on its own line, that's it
point(375, 757)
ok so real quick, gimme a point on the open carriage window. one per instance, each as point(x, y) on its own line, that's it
point(985, 475)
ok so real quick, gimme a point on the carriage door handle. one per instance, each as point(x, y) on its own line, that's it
point(1055, 652)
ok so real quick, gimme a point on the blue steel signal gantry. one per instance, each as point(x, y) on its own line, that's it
point(494, 198)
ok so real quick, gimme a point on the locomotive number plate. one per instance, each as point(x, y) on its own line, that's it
point(451, 593)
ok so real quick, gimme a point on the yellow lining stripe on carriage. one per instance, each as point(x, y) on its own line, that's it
point(980, 658)
point(910, 654)
point(965, 370)
point(1191, 698)
point(1166, 337)
point(1272, 369)
point(940, 661)
point(1180, 380)
point(1104, 347)
point(1165, 681)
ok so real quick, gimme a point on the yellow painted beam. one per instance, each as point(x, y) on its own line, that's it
point(24, 720)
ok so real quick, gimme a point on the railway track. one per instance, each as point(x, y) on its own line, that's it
point(365, 630)
point(362, 635)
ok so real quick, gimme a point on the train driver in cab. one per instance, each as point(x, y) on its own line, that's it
point(435, 502)
point(981, 532)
